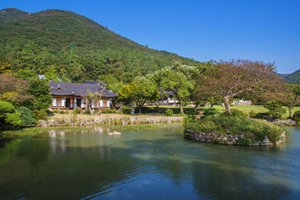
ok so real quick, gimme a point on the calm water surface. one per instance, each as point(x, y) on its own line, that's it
point(145, 164)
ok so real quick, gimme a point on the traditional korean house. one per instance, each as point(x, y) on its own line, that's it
point(70, 95)
point(167, 101)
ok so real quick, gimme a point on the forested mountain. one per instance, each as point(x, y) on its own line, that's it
point(42, 42)
point(293, 78)
point(12, 13)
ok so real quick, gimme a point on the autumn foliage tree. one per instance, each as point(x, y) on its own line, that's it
point(235, 77)
point(13, 89)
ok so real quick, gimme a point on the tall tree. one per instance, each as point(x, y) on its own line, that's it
point(177, 78)
point(40, 90)
point(140, 91)
point(237, 76)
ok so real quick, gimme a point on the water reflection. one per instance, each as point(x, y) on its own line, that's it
point(148, 164)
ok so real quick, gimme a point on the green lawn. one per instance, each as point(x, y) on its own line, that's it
point(256, 108)
point(245, 109)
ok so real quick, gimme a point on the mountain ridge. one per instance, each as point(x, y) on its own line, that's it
point(87, 48)
point(8, 14)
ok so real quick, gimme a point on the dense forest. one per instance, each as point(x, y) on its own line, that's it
point(71, 47)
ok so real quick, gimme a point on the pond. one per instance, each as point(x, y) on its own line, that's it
point(145, 164)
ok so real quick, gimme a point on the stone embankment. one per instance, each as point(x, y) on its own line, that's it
point(227, 139)
point(287, 122)
point(108, 121)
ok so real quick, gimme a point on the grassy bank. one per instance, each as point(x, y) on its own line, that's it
point(39, 130)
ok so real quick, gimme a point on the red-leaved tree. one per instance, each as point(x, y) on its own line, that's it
point(235, 77)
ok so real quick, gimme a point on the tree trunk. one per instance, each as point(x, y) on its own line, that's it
point(227, 105)
point(140, 109)
point(290, 111)
point(91, 111)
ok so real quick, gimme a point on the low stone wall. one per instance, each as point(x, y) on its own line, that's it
point(287, 122)
point(108, 121)
point(227, 139)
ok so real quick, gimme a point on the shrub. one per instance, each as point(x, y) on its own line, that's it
point(210, 112)
point(238, 113)
point(243, 141)
point(192, 112)
point(86, 112)
point(169, 112)
point(9, 119)
point(259, 116)
point(62, 112)
point(77, 111)
point(296, 116)
point(26, 116)
point(216, 141)
point(275, 109)
point(95, 112)
point(39, 114)
point(235, 113)
point(108, 111)
point(67, 124)
point(252, 114)
point(126, 110)
point(67, 111)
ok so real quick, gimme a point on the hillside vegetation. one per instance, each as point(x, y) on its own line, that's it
point(12, 13)
point(293, 78)
point(42, 42)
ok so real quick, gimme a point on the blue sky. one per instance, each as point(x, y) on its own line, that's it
point(263, 30)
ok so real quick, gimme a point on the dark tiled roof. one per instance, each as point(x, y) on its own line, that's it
point(170, 93)
point(78, 89)
point(102, 83)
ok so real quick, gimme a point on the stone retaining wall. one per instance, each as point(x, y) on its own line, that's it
point(227, 139)
point(108, 121)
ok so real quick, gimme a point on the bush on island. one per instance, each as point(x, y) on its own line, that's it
point(169, 112)
point(235, 113)
point(210, 112)
point(252, 114)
